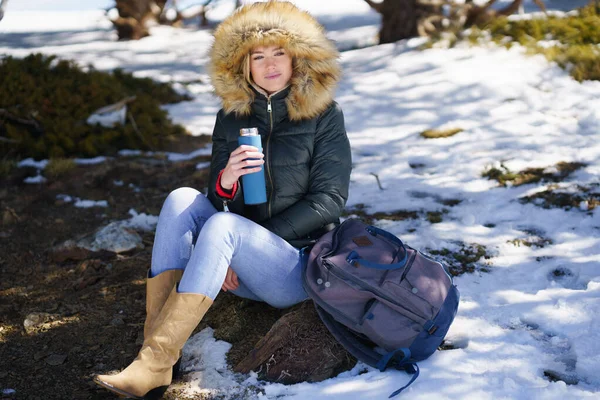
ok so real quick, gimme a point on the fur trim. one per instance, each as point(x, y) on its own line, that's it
point(316, 70)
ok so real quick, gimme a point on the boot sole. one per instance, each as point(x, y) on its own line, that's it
point(154, 394)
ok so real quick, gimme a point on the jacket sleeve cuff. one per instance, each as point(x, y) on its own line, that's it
point(228, 194)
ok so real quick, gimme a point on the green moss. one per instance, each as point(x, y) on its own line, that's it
point(435, 217)
point(451, 202)
point(58, 167)
point(56, 97)
point(440, 133)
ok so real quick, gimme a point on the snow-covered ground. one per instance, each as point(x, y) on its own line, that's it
point(515, 322)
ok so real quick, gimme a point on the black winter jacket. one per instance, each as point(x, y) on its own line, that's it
point(307, 168)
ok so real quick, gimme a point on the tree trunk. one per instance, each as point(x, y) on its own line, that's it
point(297, 348)
point(134, 16)
point(3, 4)
point(400, 18)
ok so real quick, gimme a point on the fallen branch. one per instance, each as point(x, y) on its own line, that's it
point(137, 131)
point(7, 140)
point(378, 182)
point(23, 121)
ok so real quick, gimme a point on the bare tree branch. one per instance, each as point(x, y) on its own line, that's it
point(7, 140)
point(4, 114)
point(488, 4)
point(511, 8)
point(427, 25)
point(435, 2)
point(375, 6)
point(542, 6)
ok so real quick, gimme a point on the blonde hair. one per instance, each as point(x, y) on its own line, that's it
point(246, 69)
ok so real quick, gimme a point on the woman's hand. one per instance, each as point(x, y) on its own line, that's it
point(238, 161)
point(231, 281)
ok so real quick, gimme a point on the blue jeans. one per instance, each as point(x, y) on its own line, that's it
point(192, 235)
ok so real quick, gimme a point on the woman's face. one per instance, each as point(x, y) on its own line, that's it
point(270, 67)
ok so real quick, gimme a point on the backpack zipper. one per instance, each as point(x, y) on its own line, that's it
point(341, 274)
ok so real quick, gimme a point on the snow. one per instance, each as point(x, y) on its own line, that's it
point(90, 203)
point(535, 310)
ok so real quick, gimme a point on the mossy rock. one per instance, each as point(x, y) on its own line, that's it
point(45, 103)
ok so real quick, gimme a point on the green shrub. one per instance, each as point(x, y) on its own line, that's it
point(53, 98)
point(578, 37)
point(6, 167)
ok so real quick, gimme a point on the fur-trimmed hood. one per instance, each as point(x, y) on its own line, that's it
point(315, 67)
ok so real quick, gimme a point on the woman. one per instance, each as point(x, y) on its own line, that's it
point(274, 69)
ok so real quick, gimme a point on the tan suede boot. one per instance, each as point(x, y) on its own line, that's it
point(158, 289)
point(149, 375)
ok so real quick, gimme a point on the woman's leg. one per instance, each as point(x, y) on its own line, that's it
point(267, 265)
point(181, 218)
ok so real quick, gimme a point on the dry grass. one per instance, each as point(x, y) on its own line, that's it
point(504, 176)
point(58, 167)
point(440, 133)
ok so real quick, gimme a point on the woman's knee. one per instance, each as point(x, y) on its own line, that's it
point(182, 195)
point(223, 222)
point(182, 198)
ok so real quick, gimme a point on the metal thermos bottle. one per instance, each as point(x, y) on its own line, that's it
point(255, 191)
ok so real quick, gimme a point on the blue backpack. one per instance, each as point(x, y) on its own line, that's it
point(386, 303)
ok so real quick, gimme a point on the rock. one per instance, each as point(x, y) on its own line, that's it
point(117, 321)
point(116, 238)
point(56, 359)
point(37, 320)
point(111, 239)
point(83, 282)
point(69, 250)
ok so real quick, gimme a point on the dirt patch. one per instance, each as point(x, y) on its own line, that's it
point(83, 317)
point(583, 197)
point(467, 259)
point(534, 238)
point(558, 173)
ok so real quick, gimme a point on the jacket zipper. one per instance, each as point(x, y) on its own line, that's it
point(341, 274)
point(270, 112)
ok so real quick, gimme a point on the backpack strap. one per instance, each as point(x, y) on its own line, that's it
point(412, 369)
point(355, 260)
point(366, 354)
